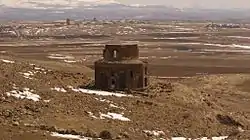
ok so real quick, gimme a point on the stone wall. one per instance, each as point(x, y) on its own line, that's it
point(120, 52)
point(115, 76)
point(120, 68)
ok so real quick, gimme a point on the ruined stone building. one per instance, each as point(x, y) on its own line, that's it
point(121, 68)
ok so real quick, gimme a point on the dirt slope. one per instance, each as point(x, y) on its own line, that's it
point(216, 105)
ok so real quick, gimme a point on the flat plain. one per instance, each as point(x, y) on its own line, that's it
point(199, 81)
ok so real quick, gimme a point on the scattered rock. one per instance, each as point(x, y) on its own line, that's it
point(227, 120)
point(28, 125)
point(15, 123)
point(154, 133)
point(124, 135)
point(71, 131)
point(105, 135)
point(34, 131)
point(146, 103)
point(91, 133)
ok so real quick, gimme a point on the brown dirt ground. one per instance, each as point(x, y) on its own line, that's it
point(213, 105)
point(213, 102)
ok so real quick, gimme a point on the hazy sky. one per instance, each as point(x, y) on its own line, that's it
point(195, 3)
point(221, 4)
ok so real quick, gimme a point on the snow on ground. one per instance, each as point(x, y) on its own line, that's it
point(109, 115)
point(170, 77)
point(204, 138)
point(69, 136)
point(239, 37)
point(184, 29)
point(92, 115)
point(144, 57)
point(8, 61)
point(174, 32)
point(25, 93)
point(174, 38)
point(27, 75)
point(155, 57)
point(215, 45)
point(60, 57)
point(37, 68)
point(46, 101)
point(225, 50)
point(240, 46)
point(114, 116)
point(115, 106)
point(70, 61)
point(96, 92)
point(189, 43)
point(111, 104)
point(59, 89)
point(231, 46)
point(166, 57)
point(154, 133)
point(103, 100)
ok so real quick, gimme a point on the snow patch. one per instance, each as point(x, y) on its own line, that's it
point(69, 136)
point(166, 57)
point(137, 5)
point(114, 116)
point(154, 133)
point(144, 58)
point(59, 89)
point(37, 68)
point(60, 57)
point(70, 61)
point(111, 104)
point(46, 101)
point(8, 61)
point(239, 37)
point(103, 100)
point(240, 46)
point(96, 92)
point(92, 115)
point(27, 75)
point(26, 93)
point(115, 106)
point(204, 138)
point(184, 29)
point(190, 43)
point(231, 46)
point(225, 50)
point(174, 32)
point(174, 38)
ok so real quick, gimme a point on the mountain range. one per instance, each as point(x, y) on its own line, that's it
point(109, 9)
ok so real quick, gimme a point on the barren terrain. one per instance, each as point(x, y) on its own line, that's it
point(199, 82)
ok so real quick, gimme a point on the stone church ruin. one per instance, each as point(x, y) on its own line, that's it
point(121, 68)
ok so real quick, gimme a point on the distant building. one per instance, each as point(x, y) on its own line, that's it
point(121, 68)
point(67, 21)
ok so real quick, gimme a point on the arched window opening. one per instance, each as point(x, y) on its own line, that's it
point(113, 83)
point(131, 74)
point(115, 54)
